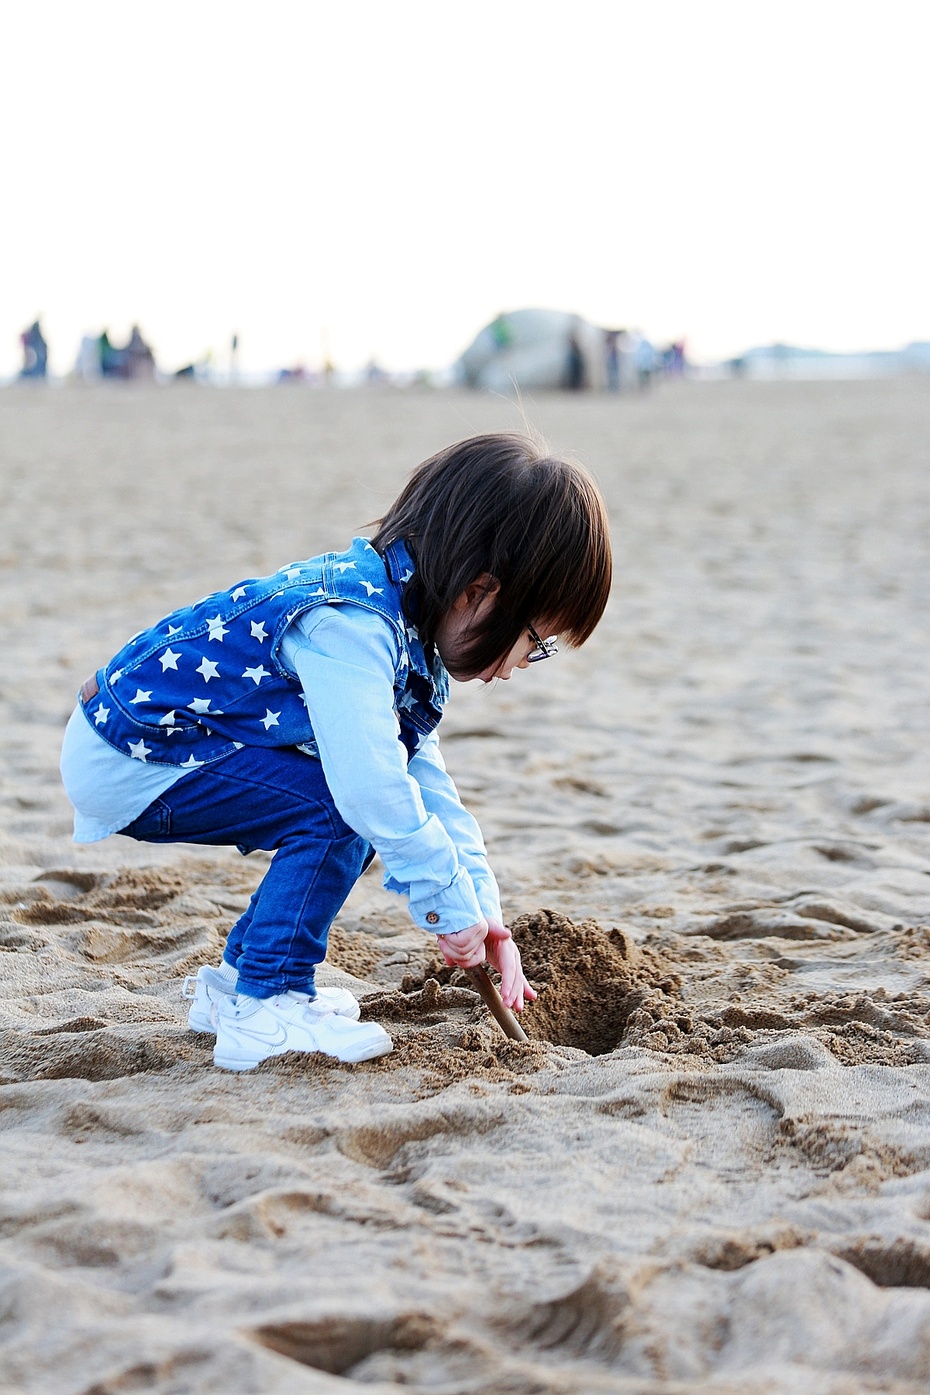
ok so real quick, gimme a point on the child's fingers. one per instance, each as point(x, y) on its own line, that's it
point(513, 978)
point(522, 989)
point(497, 957)
point(455, 953)
point(474, 959)
point(514, 986)
point(527, 991)
point(466, 947)
point(464, 956)
point(513, 999)
point(508, 989)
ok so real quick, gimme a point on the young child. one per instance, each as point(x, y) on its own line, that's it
point(298, 712)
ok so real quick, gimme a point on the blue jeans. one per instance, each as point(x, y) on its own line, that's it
point(273, 799)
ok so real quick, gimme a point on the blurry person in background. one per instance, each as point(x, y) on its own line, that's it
point(140, 361)
point(612, 359)
point(645, 362)
point(35, 352)
point(574, 372)
point(112, 360)
point(621, 359)
point(87, 367)
point(672, 359)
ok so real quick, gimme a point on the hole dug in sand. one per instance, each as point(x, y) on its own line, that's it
point(591, 981)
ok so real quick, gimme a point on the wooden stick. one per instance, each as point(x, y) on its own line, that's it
point(495, 1004)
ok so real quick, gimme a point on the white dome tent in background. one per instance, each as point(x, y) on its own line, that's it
point(535, 349)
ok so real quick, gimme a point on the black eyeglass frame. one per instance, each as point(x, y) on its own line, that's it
point(545, 648)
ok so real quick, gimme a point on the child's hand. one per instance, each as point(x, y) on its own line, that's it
point(466, 947)
point(492, 941)
point(504, 955)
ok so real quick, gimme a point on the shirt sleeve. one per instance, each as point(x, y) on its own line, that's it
point(345, 658)
point(440, 797)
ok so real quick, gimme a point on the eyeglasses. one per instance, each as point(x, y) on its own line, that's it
point(545, 648)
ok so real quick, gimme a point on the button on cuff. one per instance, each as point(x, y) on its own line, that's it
point(448, 911)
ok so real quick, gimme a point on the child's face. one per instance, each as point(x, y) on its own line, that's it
point(457, 625)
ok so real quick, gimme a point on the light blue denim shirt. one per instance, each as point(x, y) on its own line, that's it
point(345, 657)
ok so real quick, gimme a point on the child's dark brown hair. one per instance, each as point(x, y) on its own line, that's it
point(501, 505)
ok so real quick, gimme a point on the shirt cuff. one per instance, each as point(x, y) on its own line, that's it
point(442, 912)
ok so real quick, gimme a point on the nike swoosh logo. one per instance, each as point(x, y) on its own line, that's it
point(279, 1038)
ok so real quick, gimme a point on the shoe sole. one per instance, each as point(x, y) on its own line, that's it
point(370, 1054)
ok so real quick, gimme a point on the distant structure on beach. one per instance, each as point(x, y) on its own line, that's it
point(534, 350)
point(772, 361)
point(35, 352)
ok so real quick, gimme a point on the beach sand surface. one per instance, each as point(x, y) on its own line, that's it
point(709, 1170)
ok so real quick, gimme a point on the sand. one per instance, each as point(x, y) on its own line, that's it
point(709, 1170)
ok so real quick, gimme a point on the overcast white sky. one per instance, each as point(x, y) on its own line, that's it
point(393, 175)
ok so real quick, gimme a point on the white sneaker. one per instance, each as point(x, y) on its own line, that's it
point(250, 1030)
point(208, 986)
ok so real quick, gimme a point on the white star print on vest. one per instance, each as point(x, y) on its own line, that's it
point(154, 702)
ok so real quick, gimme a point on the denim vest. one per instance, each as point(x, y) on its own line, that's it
point(209, 679)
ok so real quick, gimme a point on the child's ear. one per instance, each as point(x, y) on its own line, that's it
point(484, 588)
